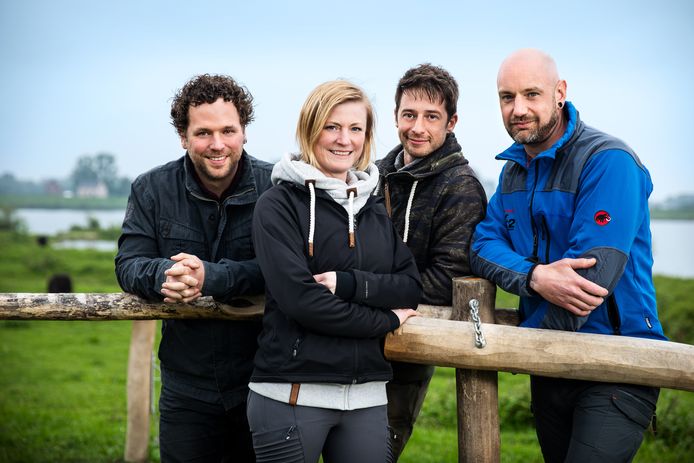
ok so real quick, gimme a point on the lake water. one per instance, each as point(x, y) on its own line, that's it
point(99, 245)
point(50, 221)
point(673, 246)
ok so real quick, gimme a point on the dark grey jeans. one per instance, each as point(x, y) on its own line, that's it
point(298, 434)
point(589, 422)
point(406, 393)
point(195, 430)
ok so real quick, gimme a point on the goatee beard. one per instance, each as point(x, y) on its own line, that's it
point(539, 135)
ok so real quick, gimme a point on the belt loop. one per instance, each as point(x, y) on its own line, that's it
point(294, 394)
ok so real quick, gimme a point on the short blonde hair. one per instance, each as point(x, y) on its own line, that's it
point(316, 111)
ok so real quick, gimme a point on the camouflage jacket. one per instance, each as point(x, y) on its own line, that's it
point(448, 203)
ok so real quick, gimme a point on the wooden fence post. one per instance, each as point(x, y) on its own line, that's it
point(139, 390)
point(477, 390)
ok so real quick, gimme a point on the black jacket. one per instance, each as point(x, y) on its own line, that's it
point(448, 203)
point(310, 334)
point(168, 213)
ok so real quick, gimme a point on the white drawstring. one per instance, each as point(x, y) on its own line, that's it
point(407, 211)
point(350, 215)
point(312, 216)
point(351, 194)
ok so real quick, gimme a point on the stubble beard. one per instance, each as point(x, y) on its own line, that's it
point(421, 152)
point(213, 176)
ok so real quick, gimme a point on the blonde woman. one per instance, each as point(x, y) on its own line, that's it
point(338, 279)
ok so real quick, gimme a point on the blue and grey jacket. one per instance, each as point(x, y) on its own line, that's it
point(586, 196)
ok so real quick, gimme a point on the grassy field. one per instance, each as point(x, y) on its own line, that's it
point(62, 384)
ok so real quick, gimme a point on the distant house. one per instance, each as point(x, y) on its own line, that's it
point(52, 188)
point(92, 190)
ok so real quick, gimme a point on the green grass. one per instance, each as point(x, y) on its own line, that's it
point(26, 266)
point(435, 436)
point(63, 384)
point(63, 391)
point(676, 307)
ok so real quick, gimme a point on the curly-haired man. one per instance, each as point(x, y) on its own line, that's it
point(186, 234)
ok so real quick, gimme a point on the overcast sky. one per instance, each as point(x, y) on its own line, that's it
point(83, 77)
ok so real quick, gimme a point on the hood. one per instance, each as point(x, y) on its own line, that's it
point(448, 153)
point(439, 160)
point(352, 196)
point(292, 169)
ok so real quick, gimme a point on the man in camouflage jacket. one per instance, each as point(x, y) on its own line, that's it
point(435, 201)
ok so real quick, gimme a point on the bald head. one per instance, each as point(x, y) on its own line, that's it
point(531, 64)
point(531, 97)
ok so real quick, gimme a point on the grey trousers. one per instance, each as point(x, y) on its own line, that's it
point(589, 422)
point(298, 434)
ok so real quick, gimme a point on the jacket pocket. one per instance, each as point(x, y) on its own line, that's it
point(236, 239)
point(278, 445)
point(636, 409)
point(313, 353)
point(295, 348)
point(176, 237)
point(239, 248)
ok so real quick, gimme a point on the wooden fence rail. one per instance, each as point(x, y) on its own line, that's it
point(119, 306)
point(443, 337)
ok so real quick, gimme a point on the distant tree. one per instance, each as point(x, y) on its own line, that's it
point(84, 172)
point(681, 201)
point(7, 181)
point(9, 221)
point(100, 168)
point(9, 185)
point(121, 187)
point(105, 168)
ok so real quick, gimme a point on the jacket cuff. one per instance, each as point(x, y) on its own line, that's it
point(531, 292)
point(394, 320)
point(346, 285)
point(160, 276)
point(215, 279)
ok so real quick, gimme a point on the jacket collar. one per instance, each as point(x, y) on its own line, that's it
point(449, 153)
point(516, 152)
point(244, 193)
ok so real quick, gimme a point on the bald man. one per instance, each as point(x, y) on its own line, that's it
point(568, 231)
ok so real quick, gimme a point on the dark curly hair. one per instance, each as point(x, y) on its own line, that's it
point(434, 82)
point(208, 88)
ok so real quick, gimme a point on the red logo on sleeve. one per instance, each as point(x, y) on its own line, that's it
point(602, 218)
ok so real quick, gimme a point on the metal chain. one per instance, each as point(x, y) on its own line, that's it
point(480, 342)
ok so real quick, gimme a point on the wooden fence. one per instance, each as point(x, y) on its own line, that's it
point(444, 336)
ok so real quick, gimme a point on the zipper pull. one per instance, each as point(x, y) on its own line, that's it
point(289, 432)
